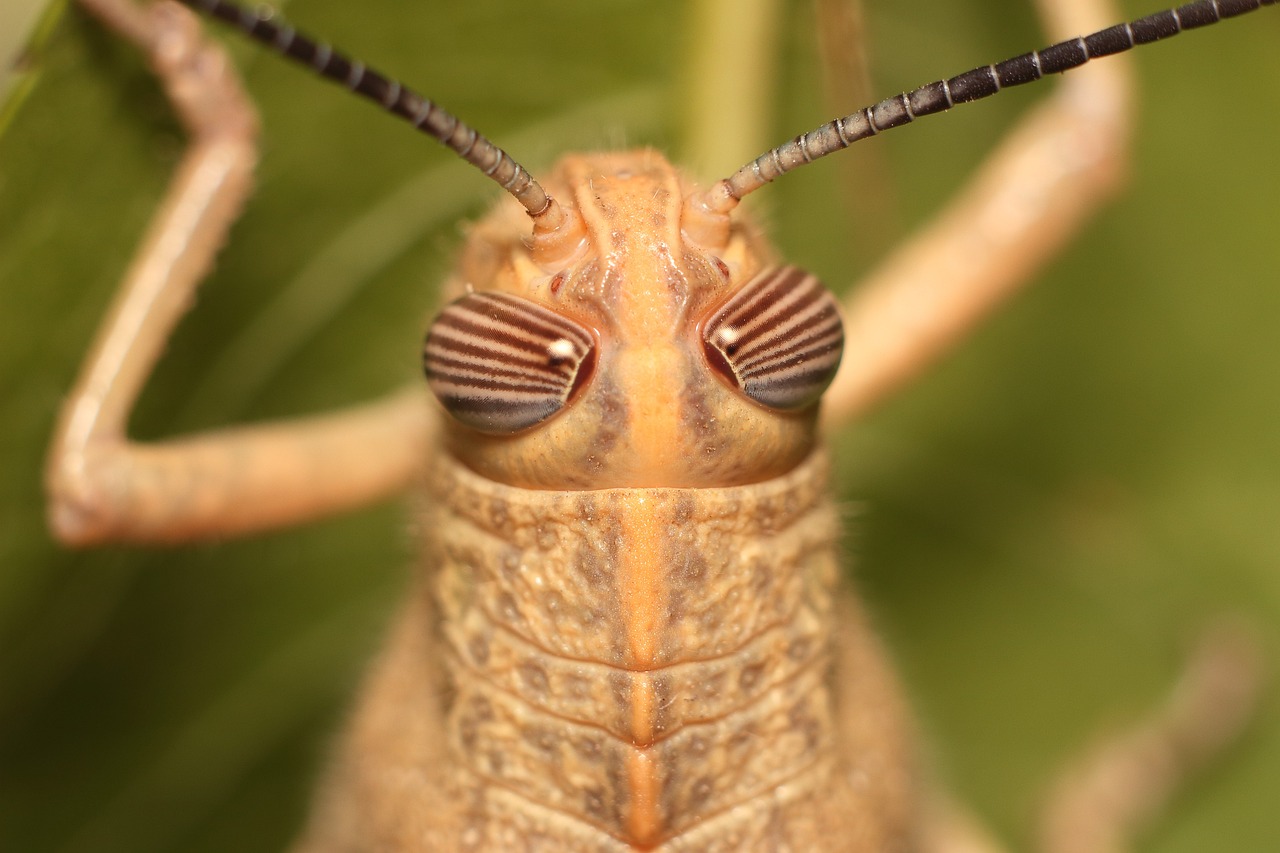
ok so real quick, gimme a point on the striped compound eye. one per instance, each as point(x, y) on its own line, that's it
point(501, 364)
point(778, 340)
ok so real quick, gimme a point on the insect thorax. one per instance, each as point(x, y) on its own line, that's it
point(646, 665)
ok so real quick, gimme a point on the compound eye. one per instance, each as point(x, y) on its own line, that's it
point(778, 339)
point(501, 364)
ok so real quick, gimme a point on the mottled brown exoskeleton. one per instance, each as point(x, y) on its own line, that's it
point(628, 632)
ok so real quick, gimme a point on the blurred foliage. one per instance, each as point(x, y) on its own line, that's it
point(1041, 524)
point(19, 19)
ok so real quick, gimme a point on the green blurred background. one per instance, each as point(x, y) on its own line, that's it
point(1040, 525)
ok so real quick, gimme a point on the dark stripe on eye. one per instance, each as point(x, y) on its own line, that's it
point(501, 364)
point(480, 370)
point(778, 339)
point(792, 331)
point(774, 295)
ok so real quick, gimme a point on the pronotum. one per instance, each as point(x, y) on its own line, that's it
point(1152, 294)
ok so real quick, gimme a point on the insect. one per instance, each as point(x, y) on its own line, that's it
point(214, 568)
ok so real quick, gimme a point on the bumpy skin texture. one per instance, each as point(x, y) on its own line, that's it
point(627, 633)
point(543, 729)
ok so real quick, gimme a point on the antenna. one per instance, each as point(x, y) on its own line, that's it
point(942, 95)
point(402, 101)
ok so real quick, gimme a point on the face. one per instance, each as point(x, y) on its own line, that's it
point(644, 359)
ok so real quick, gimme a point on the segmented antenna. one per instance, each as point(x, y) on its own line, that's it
point(394, 97)
point(972, 85)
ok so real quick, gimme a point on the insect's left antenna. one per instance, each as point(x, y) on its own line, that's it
point(556, 231)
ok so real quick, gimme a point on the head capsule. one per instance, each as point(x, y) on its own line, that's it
point(677, 365)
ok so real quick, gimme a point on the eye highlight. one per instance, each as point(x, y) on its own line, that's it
point(501, 364)
point(778, 339)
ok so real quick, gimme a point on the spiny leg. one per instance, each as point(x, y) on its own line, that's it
point(1029, 197)
point(102, 486)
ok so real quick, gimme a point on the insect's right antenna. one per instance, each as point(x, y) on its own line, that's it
point(706, 213)
point(556, 231)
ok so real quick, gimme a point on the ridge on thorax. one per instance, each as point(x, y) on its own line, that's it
point(641, 660)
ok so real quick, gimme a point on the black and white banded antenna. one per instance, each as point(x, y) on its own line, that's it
point(942, 95)
point(263, 26)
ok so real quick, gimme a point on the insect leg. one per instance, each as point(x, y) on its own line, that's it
point(1030, 196)
point(102, 486)
point(952, 830)
point(1123, 782)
